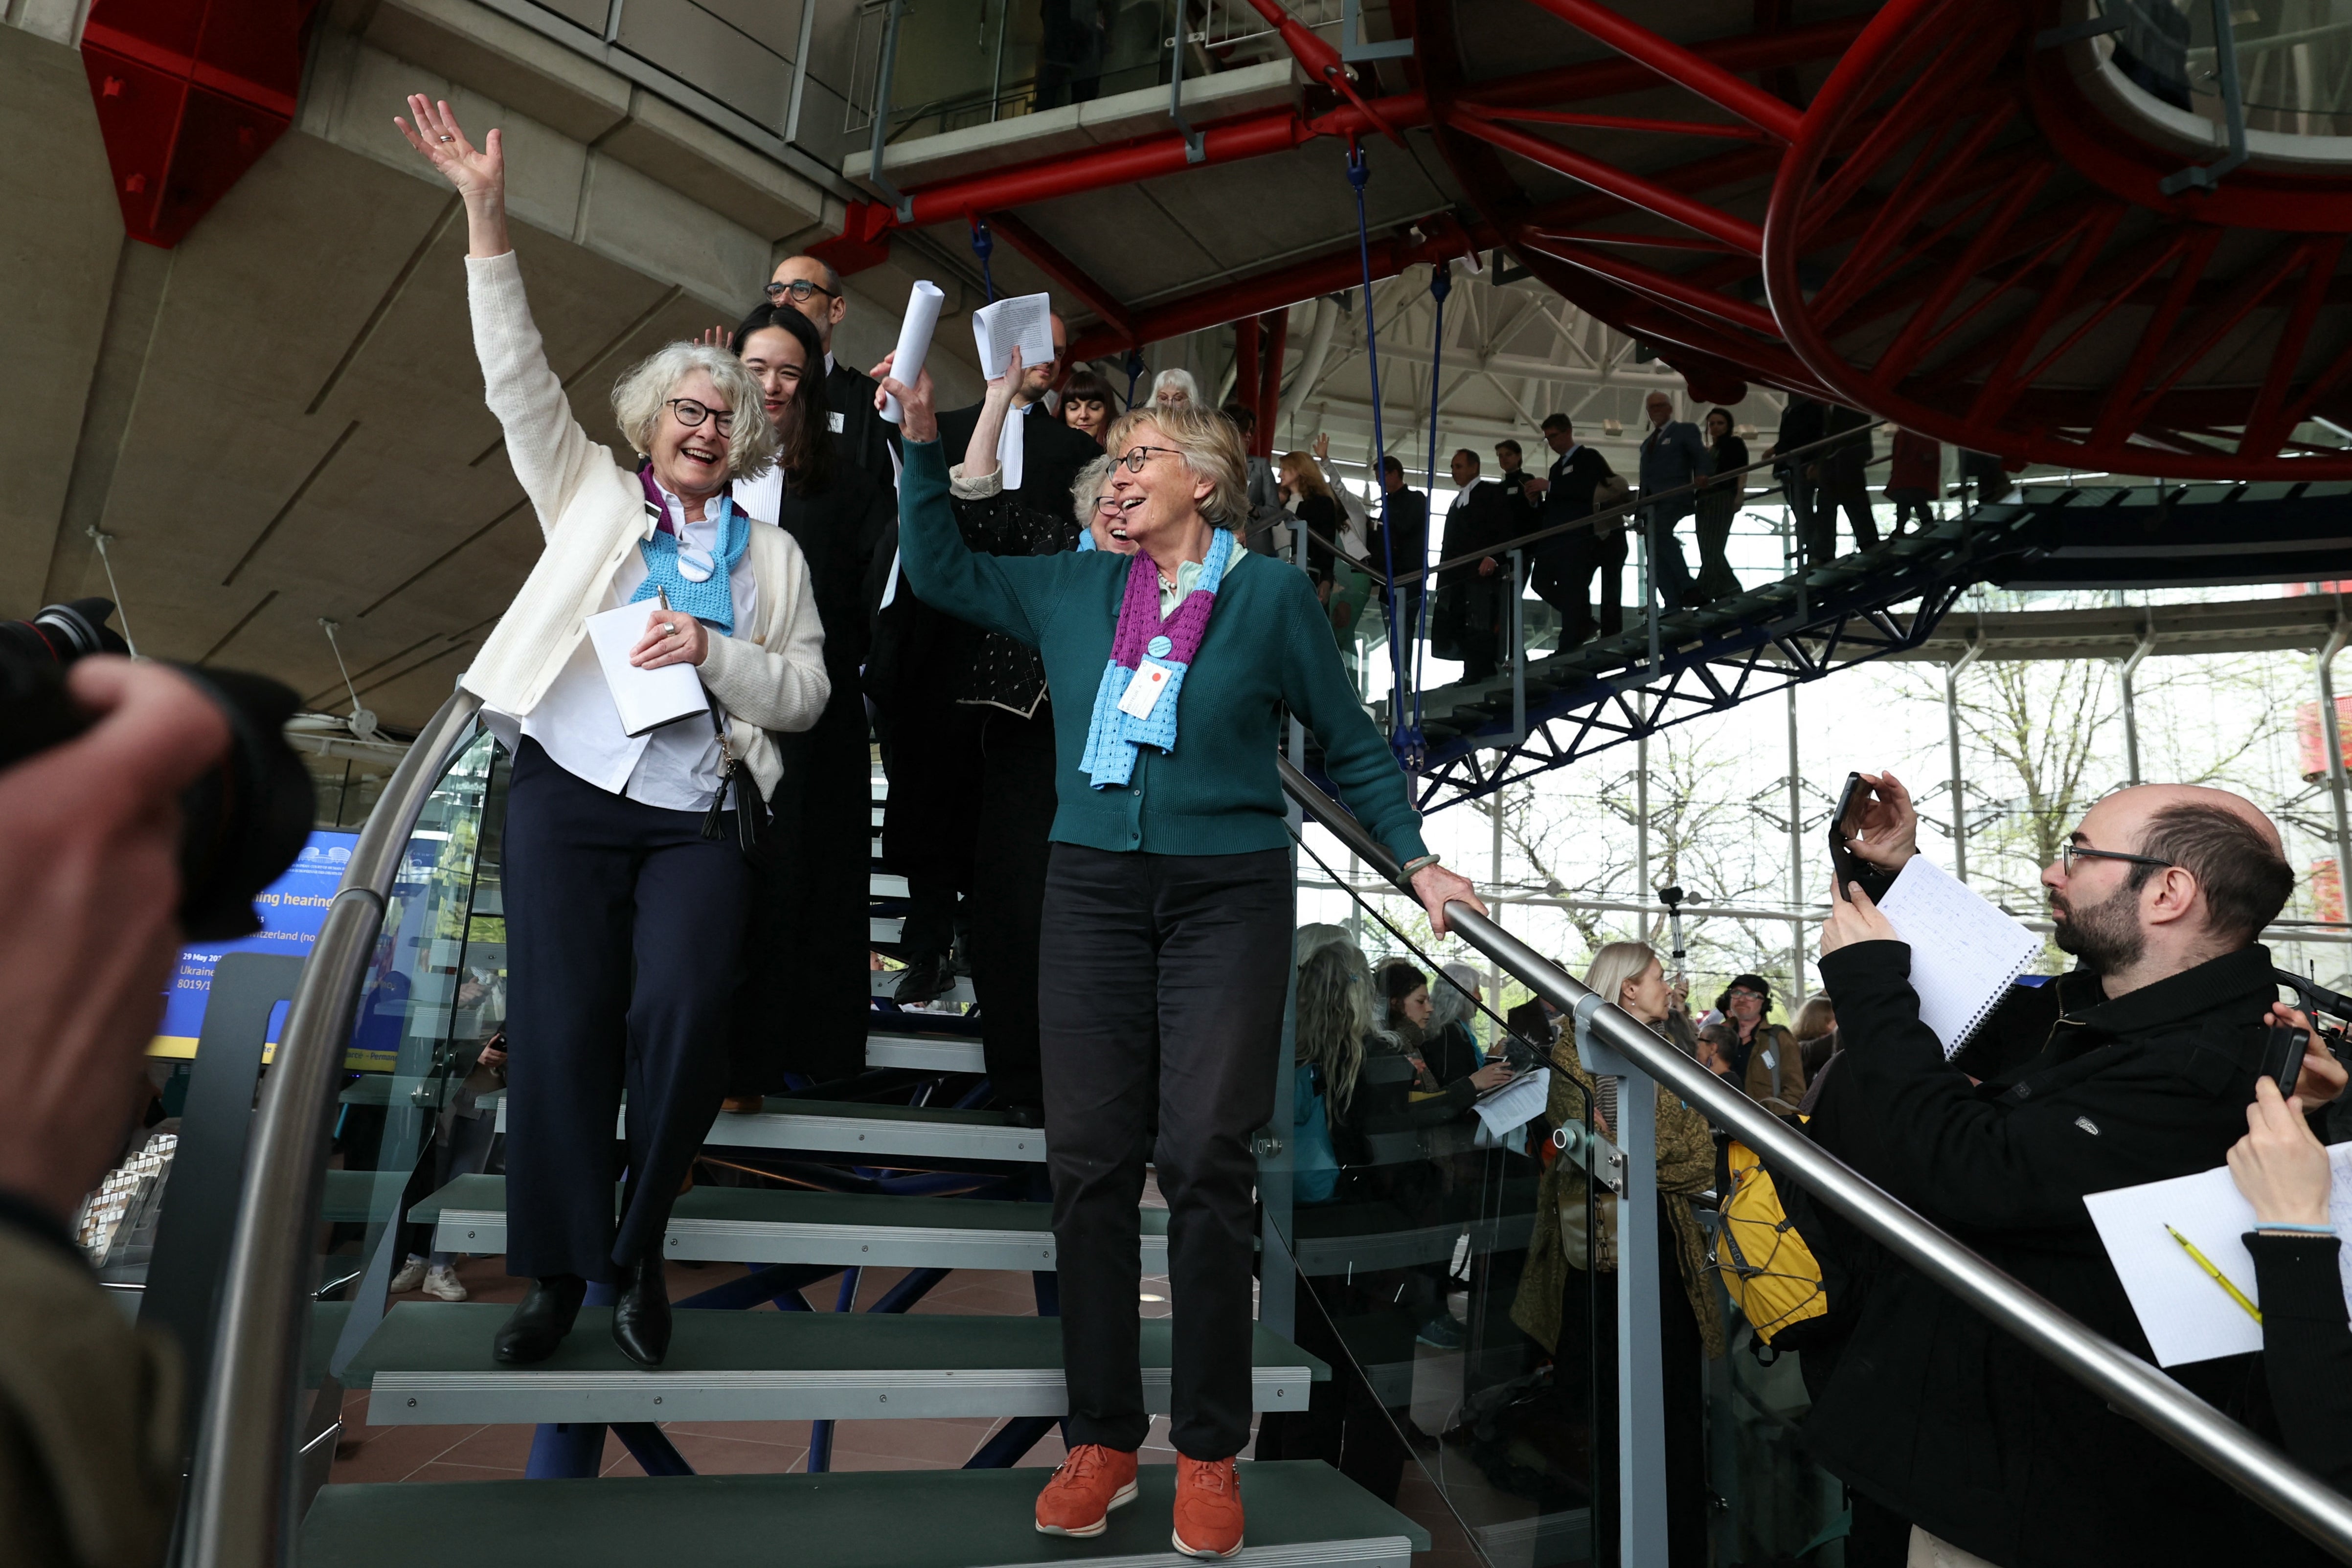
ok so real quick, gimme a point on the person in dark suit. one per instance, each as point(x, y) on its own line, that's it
point(1674, 454)
point(1843, 476)
point(863, 435)
point(1801, 424)
point(1470, 596)
point(964, 704)
point(1401, 545)
point(1565, 563)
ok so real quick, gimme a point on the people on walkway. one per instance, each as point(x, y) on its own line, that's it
point(1674, 455)
point(1168, 891)
point(1566, 562)
point(625, 923)
point(1718, 508)
point(1915, 475)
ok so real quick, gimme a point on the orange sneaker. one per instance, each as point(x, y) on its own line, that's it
point(1208, 1508)
point(1085, 1487)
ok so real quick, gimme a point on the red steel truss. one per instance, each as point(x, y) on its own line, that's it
point(1945, 233)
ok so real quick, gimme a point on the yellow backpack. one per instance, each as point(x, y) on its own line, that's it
point(1771, 1274)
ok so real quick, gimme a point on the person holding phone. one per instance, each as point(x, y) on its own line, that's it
point(2284, 1171)
point(1923, 1405)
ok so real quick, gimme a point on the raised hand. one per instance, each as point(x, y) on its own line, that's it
point(716, 338)
point(478, 175)
point(1889, 829)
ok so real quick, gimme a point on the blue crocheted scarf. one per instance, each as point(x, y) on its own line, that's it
point(1113, 734)
point(709, 599)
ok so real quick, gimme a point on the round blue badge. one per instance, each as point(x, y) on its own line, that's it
point(1159, 647)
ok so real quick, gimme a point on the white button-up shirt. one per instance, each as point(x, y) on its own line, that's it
point(577, 725)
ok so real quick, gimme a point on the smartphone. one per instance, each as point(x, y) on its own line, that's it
point(1852, 800)
point(2283, 1056)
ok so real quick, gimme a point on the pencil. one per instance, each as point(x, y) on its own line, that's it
point(2216, 1275)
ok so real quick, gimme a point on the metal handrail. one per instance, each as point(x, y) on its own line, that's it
point(238, 1497)
point(2132, 1385)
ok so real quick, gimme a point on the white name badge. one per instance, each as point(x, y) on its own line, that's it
point(835, 418)
point(1142, 692)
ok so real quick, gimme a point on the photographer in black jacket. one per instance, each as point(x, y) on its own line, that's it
point(1924, 1408)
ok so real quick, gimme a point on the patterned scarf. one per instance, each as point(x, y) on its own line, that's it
point(1113, 734)
point(710, 599)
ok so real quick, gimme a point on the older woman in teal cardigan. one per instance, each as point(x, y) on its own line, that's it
point(1168, 907)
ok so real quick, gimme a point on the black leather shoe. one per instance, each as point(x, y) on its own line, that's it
point(924, 979)
point(539, 1325)
point(641, 1313)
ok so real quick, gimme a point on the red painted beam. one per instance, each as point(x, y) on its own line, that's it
point(189, 97)
point(864, 241)
point(1635, 190)
point(1060, 270)
point(1685, 67)
point(1326, 274)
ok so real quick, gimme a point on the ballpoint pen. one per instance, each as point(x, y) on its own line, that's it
point(2218, 1277)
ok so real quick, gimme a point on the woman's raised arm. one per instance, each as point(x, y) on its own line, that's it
point(479, 176)
point(551, 455)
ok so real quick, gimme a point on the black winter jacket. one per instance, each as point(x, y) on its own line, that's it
point(1927, 1407)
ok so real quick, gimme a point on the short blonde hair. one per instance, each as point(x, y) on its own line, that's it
point(1616, 964)
point(1209, 446)
point(639, 396)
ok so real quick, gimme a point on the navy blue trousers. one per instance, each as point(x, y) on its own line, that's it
point(625, 933)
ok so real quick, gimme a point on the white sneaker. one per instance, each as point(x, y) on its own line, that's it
point(443, 1282)
point(410, 1275)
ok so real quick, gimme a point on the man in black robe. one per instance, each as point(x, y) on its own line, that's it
point(952, 696)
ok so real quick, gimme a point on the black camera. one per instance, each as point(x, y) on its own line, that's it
point(242, 822)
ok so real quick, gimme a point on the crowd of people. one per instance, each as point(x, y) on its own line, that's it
point(673, 903)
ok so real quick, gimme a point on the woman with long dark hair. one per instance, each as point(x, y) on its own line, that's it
point(1718, 505)
point(804, 1001)
point(1089, 405)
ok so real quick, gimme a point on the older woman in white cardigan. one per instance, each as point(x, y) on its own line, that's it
point(626, 881)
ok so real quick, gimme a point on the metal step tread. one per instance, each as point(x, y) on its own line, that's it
point(752, 1225)
point(841, 1127)
point(1302, 1514)
point(429, 1364)
point(925, 1052)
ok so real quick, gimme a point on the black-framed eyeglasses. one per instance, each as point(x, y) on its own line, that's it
point(798, 290)
point(1736, 994)
point(691, 414)
point(2068, 854)
point(1137, 456)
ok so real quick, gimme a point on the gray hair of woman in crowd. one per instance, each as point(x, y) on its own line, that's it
point(1176, 386)
point(1453, 1002)
point(1088, 491)
point(1335, 1010)
point(641, 395)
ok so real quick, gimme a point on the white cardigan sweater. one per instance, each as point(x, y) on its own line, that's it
point(592, 510)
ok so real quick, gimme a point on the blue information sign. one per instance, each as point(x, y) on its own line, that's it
point(292, 909)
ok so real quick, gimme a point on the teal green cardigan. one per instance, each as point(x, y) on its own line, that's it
point(1268, 646)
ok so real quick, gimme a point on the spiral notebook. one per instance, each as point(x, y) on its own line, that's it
point(1965, 953)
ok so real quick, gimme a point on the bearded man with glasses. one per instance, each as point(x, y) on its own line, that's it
point(1947, 1430)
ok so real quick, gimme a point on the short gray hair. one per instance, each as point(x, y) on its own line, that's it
point(1176, 380)
point(639, 396)
point(1451, 1003)
point(1092, 481)
point(1208, 445)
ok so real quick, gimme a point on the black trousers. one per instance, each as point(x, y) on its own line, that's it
point(802, 1004)
point(1829, 497)
point(1162, 979)
point(1008, 897)
point(598, 886)
point(1562, 578)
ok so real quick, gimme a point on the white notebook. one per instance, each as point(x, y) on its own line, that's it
point(1022, 319)
point(2187, 1316)
point(647, 699)
point(1965, 953)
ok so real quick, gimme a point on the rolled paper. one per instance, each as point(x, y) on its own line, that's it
point(914, 343)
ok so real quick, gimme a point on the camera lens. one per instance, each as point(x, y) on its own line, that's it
point(242, 823)
point(245, 818)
